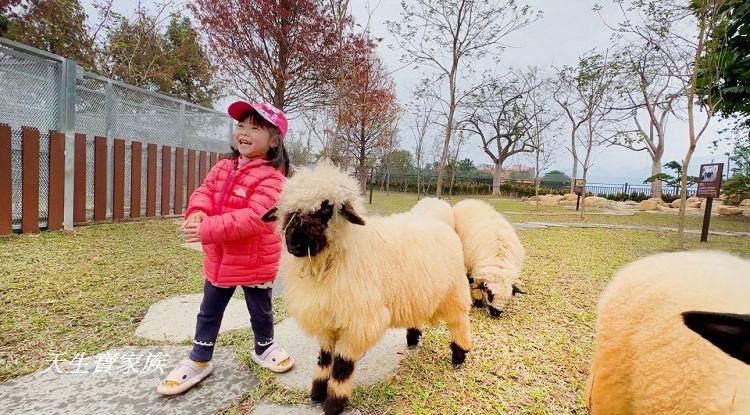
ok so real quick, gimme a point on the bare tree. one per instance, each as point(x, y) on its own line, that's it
point(500, 114)
point(447, 35)
point(650, 84)
point(591, 84)
point(686, 58)
point(423, 110)
point(542, 120)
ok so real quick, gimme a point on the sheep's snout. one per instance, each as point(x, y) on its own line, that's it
point(305, 233)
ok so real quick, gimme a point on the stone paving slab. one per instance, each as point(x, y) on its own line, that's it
point(267, 408)
point(195, 246)
point(379, 363)
point(89, 393)
point(174, 319)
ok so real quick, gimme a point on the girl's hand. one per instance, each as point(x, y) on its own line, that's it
point(192, 232)
point(196, 217)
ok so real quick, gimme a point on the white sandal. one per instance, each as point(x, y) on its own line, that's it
point(185, 375)
point(273, 358)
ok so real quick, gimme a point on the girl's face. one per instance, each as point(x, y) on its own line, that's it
point(252, 140)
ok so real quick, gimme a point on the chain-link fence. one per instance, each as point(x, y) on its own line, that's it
point(34, 93)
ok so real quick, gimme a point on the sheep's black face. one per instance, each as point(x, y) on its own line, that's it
point(305, 233)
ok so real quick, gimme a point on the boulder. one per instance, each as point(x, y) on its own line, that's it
point(676, 203)
point(574, 197)
point(746, 214)
point(729, 211)
point(596, 201)
point(623, 205)
point(524, 199)
point(550, 200)
point(647, 205)
point(745, 203)
point(659, 201)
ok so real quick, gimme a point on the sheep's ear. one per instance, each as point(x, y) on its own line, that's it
point(351, 215)
point(517, 290)
point(270, 216)
point(728, 332)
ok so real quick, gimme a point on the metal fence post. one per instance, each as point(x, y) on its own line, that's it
point(109, 108)
point(182, 127)
point(67, 126)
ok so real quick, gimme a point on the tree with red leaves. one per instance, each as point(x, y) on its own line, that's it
point(283, 51)
point(370, 108)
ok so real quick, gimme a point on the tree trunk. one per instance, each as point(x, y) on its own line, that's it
point(683, 197)
point(575, 162)
point(583, 195)
point(362, 175)
point(536, 180)
point(496, 178)
point(448, 129)
point(656, 185)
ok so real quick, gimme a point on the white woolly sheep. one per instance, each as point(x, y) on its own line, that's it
point(656, 323)
point(436, 208)
point(349, 278)
point(493, 253)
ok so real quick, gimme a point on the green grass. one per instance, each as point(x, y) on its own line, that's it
point(517, 211)
point(86, 291)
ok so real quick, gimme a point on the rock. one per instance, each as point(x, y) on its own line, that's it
point(676, 203)
point(746, 214)
point(570, 196)
point(524, 199)
point(647, 205)
point(378, 364)
point(693, 199)
point(622, 205)
point(98, 388)
point(729, 211)
point(596, 201)
point(659, 201)
point(550, 200)
point(694, 204)
point(173, 319)
point(745, 202)
point(631, 203)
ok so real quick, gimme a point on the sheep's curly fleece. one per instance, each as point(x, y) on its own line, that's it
point(397, 271)
point(437, 208)
point(646, 360)
point(493, 253)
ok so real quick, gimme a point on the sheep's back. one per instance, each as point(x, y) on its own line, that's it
point(436, 208)
point(488, 239)
point(646, 358)
point(394, 271)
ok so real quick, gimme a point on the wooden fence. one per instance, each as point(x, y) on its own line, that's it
point(183, 179)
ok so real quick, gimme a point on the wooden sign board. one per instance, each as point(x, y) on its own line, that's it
point(709, 180)
point(580, 184)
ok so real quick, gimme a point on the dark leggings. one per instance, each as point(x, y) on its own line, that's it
point(215, 301)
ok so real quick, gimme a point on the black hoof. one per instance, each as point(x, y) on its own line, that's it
point(318, 392)
point(334, 405)
point(478, 303)
point(313, 402)
point(495, 312)
point(458, 355)
point(412, 338)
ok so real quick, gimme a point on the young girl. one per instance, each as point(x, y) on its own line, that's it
point(224, 214)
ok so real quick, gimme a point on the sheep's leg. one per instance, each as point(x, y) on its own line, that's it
point(477, 294)
point(412, 337)
point(319, 390)
point(455, 312)
point(340, 385)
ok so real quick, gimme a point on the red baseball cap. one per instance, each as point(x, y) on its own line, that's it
point(266, 110)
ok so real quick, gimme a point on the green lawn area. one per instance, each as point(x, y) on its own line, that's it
point(517, 211)
point(86, 291)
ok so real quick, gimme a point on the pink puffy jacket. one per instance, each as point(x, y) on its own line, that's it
point(240, 248)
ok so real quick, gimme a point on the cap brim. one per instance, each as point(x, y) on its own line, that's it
point(237, 109)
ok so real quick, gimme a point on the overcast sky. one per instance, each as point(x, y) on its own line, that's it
point(568, 29)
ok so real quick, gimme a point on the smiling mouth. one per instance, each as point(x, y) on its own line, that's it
point(245, 142)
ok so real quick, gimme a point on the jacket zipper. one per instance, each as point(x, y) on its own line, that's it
point(219, 210)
